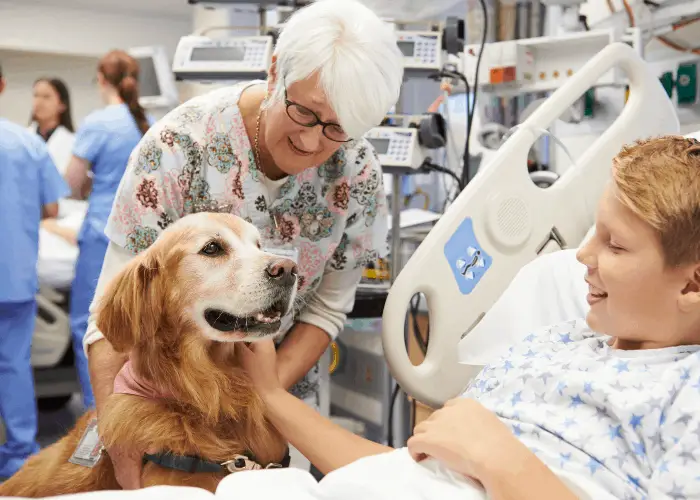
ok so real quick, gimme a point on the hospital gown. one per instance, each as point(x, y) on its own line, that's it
point(627, 420)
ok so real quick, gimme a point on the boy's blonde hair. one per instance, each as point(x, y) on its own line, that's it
point(659, 180)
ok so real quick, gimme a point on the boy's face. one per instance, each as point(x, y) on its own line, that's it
point(633, 295)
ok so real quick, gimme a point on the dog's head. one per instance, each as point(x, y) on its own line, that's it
point(203, 284)
point(206, 274)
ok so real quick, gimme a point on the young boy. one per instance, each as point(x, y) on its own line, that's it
point(603, 407)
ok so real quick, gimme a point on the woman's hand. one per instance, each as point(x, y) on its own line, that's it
point(259, 360)
point(465, 437)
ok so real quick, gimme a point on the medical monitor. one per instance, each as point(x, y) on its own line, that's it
point(156, 81)
point(421, 50)
point(204, 59)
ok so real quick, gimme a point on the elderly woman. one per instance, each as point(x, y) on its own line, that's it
point(287, 155)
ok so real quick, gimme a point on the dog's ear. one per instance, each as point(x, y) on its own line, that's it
point(133, 303)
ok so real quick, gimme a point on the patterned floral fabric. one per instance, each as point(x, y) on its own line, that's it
point(199, 158)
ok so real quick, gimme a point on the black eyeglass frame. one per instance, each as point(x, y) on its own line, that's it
point(317, 121)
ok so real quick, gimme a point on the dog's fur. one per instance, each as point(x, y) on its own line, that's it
point(154, 310)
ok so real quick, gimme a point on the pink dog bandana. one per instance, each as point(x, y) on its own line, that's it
point(127, 382)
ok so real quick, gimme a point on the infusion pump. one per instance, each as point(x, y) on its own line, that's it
point(397, 147)
point(422, 50)
point(201, 58)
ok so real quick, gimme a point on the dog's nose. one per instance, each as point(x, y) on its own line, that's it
point(283, 270)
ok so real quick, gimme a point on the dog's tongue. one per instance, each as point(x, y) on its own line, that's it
point(264, 318)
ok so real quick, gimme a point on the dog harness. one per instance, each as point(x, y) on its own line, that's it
point(194, 464)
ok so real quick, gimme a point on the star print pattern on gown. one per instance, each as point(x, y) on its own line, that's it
point(627, 420)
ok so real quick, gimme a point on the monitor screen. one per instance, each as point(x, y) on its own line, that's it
point(407, 48)
point(217, 54)
point(381, 146)
point(148, 78)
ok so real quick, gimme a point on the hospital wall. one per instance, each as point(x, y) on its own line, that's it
point(40, 38)
point(22, 69)
point(62, 27)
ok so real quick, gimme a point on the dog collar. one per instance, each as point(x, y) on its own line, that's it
point(194, 464)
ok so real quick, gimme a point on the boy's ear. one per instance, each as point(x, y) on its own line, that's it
point(690, 295)
point(133, 303)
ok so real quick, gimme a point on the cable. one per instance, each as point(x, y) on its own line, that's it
point(676, 46)
point(453, 149)
point(685, 22)
point(428, 165)
point(630, 13)
point(390, 427)
point(470, 109)
point(423, 346)
point(444, 73)
point(422, 343)
point(584, 21)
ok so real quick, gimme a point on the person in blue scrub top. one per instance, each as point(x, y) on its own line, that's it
point(30, 187)
point(102, 147)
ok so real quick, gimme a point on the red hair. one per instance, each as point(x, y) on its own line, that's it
point(122, 72)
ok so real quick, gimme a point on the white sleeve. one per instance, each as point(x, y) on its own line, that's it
point(116, 259)
point(328, 306)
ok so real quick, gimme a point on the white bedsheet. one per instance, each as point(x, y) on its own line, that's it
point(56, 263)
point(383, 477)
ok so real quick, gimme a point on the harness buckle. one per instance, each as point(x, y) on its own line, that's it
point(240, 463)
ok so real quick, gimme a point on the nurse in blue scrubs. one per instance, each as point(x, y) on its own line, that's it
point(102, 147)
point(30, 187)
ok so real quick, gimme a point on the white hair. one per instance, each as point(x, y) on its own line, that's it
point(359, 64)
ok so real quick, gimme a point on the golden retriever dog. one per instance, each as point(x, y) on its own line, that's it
point(179, 309)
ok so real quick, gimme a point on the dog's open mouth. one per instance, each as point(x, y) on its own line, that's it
point(269, 319)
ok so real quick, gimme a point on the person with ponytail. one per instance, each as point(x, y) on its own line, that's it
point(102, 147)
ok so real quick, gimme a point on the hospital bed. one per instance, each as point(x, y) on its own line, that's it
point(502, 221)
point(492, 233)
point(51, 345)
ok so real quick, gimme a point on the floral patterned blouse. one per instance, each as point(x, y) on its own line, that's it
point(199, 158)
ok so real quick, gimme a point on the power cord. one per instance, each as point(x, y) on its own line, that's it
point(456, 75)
point(422, 343)
point(470, 103)
point(429, 166)
point(470, 109)
point(423, 346)
point(390, 426)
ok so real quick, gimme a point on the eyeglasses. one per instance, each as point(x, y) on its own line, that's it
point(302, 115)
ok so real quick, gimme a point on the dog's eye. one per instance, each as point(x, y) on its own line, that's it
point(258, 245)
point(212, 249)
